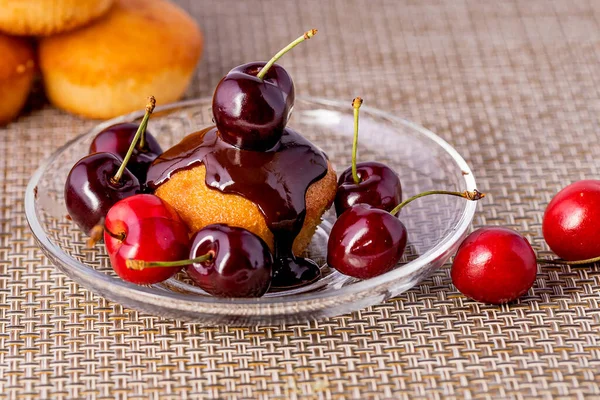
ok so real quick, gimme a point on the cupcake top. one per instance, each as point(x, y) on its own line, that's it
point(44, 17)
point(136, 37)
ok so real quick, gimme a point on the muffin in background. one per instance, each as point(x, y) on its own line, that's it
point(17, 71)
point(139, 48)
point(46, 17)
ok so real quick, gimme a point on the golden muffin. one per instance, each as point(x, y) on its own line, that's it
point(17, 71)
point(199, 206)
point(46, 17)
point(285, 189)
point(139, 47)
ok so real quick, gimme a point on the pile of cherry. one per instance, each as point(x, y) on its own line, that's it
point(148, 242)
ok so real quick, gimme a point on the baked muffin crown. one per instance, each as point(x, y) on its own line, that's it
point(44, 17)
point(136, 37)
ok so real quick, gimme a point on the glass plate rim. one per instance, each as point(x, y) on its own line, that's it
point(150, 294)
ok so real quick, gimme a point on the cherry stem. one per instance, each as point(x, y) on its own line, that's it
point(142, 128)
point(142, 143)
point(95, 235)
point(119, 236)
point(139, 265)
point(356, 103)
point(469, 195)
point(307, 35)
point(565, 262)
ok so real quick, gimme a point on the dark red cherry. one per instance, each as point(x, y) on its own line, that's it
point(379, 187)
point(494, 265)
point(98, 181)
point(251, 112)
point(571, 224)
point(240, 263)
point(366, 242)
point(371, 183)
point(253, 102)
point(145, 228)
point(91, 190)
point(117, 138)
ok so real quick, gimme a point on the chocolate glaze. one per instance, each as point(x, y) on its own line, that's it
point(275, 180)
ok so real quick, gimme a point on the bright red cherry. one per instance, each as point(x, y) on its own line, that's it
point(240, 263)
point(371, 183)
point(253, 102)
point(494, 265)
point(117, 138)
point(366, 242)
point(571, 224)
point(145, 228)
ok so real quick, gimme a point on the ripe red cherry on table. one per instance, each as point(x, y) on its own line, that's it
point(144, 227)
point(494, 265)
point(571, 224)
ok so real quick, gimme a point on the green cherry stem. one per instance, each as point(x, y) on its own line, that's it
point(469, 195)
point(307, 35)
point(356, 103)
point(565, 262)
point(142, 142)
point(138, 265)
point(142, 128)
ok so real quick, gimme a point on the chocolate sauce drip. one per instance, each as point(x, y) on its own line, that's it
point(275, 180)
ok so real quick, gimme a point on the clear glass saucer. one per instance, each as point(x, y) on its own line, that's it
point(436, 224)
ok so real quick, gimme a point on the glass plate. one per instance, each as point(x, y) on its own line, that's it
point(436, 224)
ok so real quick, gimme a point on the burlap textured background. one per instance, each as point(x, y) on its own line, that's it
point(513, 85)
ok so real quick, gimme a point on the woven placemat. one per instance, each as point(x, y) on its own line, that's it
point(512, 85)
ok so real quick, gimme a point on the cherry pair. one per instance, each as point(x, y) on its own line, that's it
point(147, 243)
point(115, 169)
point(368, 239)
point(497, 265)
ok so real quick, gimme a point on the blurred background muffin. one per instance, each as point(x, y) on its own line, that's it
point(17, 71)
point(46, 17)
point(139, 47)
